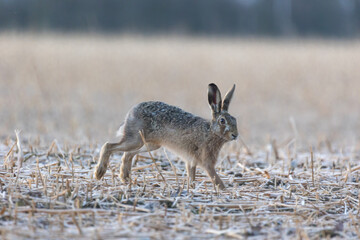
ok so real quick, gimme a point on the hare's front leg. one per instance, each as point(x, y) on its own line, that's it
point(191, 171)
point(214, 177)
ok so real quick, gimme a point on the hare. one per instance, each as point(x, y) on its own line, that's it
point(194, 139)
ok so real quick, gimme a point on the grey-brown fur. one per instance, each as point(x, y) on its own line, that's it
point(196, 140)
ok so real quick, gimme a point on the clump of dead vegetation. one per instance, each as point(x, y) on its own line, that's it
point(48, 191)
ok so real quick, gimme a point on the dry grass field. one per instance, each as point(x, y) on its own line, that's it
point(295, 174)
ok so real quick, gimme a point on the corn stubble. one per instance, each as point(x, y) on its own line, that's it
point(313, 195)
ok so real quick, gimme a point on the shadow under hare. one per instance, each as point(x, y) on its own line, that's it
point(196, 140)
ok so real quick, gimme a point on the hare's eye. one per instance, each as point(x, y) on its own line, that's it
point(222, 121)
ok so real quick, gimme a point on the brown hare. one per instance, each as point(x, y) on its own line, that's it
point(196, 140)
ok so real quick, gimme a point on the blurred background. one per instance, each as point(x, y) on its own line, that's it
point(336, 18)
point(71, 69)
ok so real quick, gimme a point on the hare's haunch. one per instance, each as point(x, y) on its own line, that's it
point(196, 140)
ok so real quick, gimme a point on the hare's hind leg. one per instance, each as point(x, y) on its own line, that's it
point(126, 160)
point(126, 144)
point(125, 168)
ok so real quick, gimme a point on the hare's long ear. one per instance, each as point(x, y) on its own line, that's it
point(214, 98)
point(227, 99)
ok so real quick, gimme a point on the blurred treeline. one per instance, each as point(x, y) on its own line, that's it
point(335, 18)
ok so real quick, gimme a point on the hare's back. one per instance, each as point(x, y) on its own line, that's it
point(162, 113)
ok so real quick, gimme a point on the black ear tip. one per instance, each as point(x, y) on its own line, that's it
point(212, 85)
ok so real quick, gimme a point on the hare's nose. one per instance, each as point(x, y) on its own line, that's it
point(234, 136)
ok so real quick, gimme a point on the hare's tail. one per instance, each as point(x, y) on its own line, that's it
point(120, 131)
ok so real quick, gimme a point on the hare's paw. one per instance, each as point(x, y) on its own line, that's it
point(100, 171)
point(125, 177)
point(221, 186)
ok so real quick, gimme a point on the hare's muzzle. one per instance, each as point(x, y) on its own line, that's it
point(233, 136)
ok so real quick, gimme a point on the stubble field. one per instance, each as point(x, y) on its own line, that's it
point(293, 174)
